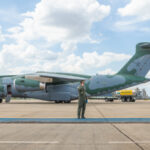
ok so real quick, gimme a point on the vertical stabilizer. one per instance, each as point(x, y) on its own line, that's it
point(139, 64)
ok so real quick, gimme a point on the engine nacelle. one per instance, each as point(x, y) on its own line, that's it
point(25, 85)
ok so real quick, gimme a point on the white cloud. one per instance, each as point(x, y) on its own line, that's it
point(107, 72)
point(24, 57)
point(1, 35)
point(90, 61)
point(69, 45)
point(133, 13)
point(95, 60)
point(148, 75)
point(64, 21)
point(139, 9)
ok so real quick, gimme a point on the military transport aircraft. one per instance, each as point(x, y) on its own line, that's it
point(62, 87)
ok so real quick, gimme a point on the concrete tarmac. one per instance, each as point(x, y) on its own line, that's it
point(112, 136)
point(74, 136)
point(95, 109)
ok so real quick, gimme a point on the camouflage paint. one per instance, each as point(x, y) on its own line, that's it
point(1, 88)
point(131, 74)
point(112, 83)
point(139, 64)
point(27, 82)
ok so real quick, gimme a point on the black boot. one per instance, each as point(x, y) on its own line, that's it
point(83, 117)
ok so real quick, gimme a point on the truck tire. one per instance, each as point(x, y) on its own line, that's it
point(128, 99)
point(1, 100)
point(124, 99)
point(133, 100)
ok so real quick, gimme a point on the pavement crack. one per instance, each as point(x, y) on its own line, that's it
point(99, 111)
point(137, 144)
point(132, 140)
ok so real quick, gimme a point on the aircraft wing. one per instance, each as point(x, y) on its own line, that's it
point(52, 77)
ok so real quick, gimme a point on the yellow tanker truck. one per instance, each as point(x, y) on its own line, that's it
point(126, 95)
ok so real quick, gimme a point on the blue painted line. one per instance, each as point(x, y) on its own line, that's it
point(74, 120)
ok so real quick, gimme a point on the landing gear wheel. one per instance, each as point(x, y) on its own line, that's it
point(133, 100)
point(1, 100)
point(111, 100)
point(58, 102)
point(67, 101)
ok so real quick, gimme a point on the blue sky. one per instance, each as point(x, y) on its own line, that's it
point(88, 36)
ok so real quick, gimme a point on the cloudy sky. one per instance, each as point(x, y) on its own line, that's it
point(81, 36)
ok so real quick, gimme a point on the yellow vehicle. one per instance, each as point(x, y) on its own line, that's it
point(126, 95)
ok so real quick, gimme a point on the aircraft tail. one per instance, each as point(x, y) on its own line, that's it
point(139, 64)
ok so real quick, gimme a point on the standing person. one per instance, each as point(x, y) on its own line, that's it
point(82, 101)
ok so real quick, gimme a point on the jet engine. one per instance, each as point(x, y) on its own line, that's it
point(25, 85)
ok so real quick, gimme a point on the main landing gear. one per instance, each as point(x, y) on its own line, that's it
point(62, 101)
point(1, 100)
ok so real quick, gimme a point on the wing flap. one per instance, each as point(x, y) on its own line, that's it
point(39, 78)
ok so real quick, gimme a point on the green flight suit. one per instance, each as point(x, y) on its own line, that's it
point(81, 102)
